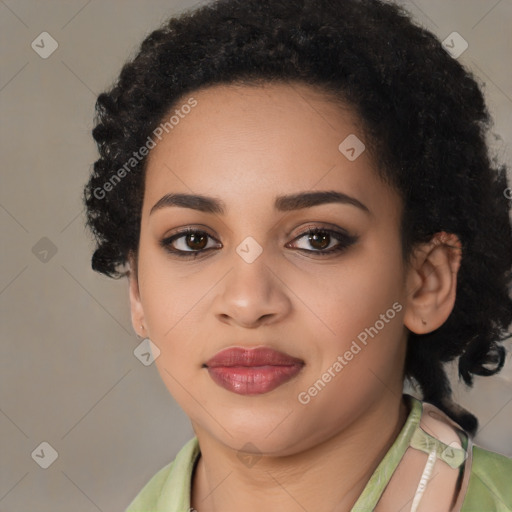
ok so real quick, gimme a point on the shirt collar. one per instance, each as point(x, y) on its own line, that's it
point(176, 490)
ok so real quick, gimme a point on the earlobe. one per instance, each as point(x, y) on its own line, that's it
point(431, 283)
point(136, 309)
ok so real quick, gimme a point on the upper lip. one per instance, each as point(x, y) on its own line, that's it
point(259, 356)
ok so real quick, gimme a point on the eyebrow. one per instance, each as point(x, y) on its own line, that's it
point(286, 203)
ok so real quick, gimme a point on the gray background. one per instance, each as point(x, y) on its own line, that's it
point(68, 374)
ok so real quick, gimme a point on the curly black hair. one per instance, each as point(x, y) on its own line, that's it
point(423, 113)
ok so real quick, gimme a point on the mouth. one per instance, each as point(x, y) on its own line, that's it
point(252, 371)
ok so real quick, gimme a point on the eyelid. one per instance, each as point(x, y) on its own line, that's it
point(326, 226)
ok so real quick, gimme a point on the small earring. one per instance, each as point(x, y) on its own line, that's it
point(140, 336)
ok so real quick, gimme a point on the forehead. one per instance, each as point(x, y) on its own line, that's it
point(256, 142)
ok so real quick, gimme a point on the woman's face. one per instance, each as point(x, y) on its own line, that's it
point(259, 280)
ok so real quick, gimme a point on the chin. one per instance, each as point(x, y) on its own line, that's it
point(274, 434)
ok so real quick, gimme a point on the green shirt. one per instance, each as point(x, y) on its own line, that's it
point(489, 490)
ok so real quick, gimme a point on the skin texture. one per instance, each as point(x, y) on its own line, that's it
point(246, 145)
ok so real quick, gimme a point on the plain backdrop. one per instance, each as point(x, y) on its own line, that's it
point(68, 374)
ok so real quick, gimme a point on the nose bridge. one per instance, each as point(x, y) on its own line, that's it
point(252, 273)
point(252, 288)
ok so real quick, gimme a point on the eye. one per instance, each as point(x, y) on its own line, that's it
point(326, 241)
point(191, 243)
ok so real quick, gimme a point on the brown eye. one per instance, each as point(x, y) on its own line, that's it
point(195, 241)
point(190, 243)
point(325, 241)
point(187, 243)
point(319, 240)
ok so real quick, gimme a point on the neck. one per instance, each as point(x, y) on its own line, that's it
point(329, 476)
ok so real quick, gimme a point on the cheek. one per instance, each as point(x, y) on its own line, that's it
point(351, 297)
point(169, 298)
point(361, 304)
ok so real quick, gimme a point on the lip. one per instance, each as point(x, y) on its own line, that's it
point(252, 371)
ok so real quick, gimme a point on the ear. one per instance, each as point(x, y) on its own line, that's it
point(431, 283)
point(136, 309)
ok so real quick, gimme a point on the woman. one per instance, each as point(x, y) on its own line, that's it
point(303, 197)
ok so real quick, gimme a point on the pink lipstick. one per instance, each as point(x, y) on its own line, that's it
point(252, 371)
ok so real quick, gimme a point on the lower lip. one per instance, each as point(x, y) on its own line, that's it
point(252, 380)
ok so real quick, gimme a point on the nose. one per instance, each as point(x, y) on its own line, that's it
point(252, 294)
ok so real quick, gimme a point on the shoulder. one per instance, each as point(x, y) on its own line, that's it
point(489, 487)
point(148, 496)
point(169, 488)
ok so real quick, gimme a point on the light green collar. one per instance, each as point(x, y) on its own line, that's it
point(381, 476)
point(176, 489)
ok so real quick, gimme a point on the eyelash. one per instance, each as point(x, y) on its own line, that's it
point(345, 240)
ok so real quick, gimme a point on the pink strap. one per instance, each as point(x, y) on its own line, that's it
point(434, 471)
